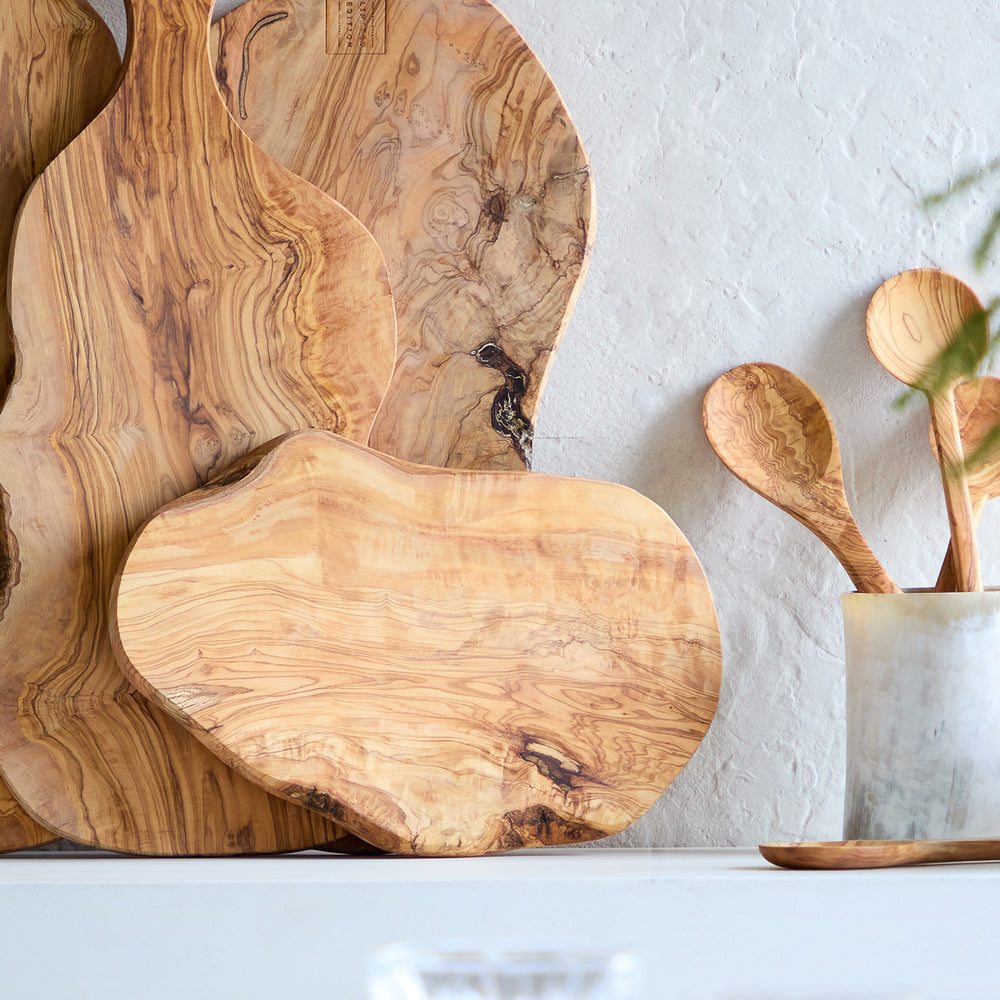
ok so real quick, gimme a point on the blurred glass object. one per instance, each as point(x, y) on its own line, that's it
point(470, 970)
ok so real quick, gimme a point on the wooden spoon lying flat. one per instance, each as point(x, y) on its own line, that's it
point(912, 319)
point(59, 64)
point(440, 129)
point(845, 854)
point(773, 433)
point(447, 662)
point(977, 403)
point(177, 298)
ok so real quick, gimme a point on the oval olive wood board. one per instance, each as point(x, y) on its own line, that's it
point(177, 298)
point(454, 148)
point(59, 63)
point(447, 662)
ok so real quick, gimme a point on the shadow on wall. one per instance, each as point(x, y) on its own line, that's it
point(891, 479)
point(682, 474)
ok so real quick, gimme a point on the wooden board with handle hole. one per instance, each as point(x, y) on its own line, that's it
point(447, 662)
point(442, 132)
point(59, 64)
point(177, 298)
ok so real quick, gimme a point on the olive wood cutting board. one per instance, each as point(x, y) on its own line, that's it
point(448, 662)
point(440, 129)
point(59, 63)
point(177, 299)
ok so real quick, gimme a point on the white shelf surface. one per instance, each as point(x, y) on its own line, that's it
point(704, 923)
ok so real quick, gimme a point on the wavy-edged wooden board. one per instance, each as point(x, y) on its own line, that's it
point(58, 64)
point(177, 298)
point(447, 662)
point(454, 148)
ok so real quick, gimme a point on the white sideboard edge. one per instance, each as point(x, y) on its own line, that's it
point(705, 924)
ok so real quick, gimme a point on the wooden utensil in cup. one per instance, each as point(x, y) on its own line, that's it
point(977, 402)
point(177, 299)
point(59, 64)
point(773, 433)
point(913, 320)
point(850, 854)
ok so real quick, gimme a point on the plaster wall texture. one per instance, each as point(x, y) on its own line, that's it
point(759, 168)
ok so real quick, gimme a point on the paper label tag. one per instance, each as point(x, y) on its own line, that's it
point(355, 27)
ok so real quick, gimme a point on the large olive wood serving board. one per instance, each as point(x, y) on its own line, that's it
point(447, 662)
point(177, 298)
point(59, 63)
point(452, 145)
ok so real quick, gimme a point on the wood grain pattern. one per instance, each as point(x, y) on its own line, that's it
point(912, 321)
point(977, 403)
point(177, 298)
point(58, 63)
point(775, 435)
point(18, 831)
point(850, 854)
point(447, 662)
point(456, 151)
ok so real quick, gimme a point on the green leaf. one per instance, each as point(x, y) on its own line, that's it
point(962, 183)
point(972, 347)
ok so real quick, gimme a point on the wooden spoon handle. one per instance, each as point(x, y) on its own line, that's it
point(862, 565)
point(965, 551)
point(948, 577)
point(849, 546)
point(848, 854)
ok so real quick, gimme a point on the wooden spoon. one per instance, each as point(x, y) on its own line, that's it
point(845, 854)
point(59, 66)
point(912, 319)
point(977, 402)
point(774, 434)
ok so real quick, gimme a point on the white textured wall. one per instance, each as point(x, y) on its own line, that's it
point(759, 167)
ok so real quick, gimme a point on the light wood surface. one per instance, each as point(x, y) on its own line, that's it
point(177, 298)
point(977, 403)
point(912, 319)
point(456, 151)
point(846, 854)
point(59, 64)
point(447, 662)
point(775, 435)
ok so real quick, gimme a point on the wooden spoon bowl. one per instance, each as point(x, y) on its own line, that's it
point(775, 435)
point(913, 321)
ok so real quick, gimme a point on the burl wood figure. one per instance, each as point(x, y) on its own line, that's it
point(177, 298)
point(447, 662)
point(447, 138)
point(59, 63)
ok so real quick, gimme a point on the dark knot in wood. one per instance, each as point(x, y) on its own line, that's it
point(507, 415)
